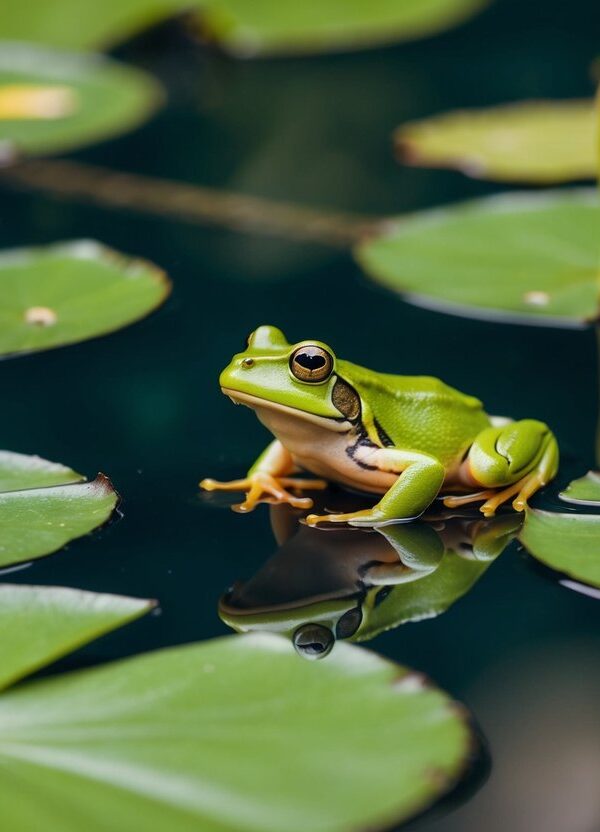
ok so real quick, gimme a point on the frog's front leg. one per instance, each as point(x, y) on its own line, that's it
point(268, 481)
point(419, 481)
point(514, 460)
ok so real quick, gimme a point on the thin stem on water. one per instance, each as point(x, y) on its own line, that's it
point(190, 203)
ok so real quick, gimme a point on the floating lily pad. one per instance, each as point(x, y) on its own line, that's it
point(518, 257)
point(20, 471)
point(44, 505)
point(244, 27)
point(54, 101)
point(70, 292)
point(584, 491)
point(250, 27)
point(234, 734)
point(540, 142)
point(39, 624)
point(568, 543)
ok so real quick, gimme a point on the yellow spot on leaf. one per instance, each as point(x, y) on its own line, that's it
point(34, 101)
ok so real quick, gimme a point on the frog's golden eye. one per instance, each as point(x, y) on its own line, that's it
point(311, 363)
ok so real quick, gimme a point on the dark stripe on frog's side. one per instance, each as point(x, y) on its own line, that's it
point(385, 440)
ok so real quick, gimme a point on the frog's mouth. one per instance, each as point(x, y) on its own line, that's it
point(340, 425)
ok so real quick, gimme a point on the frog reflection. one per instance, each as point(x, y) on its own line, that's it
point(322, 585)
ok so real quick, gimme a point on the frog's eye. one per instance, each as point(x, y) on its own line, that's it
point(311, 363)
point(312, 641)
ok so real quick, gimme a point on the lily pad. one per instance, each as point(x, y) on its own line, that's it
point(523, 257)
point(233, 734)
point(584, 491)
point(66, 293)
point(44, 505)
point(54, 101)
point(251, 27)
point(568, 543)
point(541, 142)
point(244, 27)
point(39, 624)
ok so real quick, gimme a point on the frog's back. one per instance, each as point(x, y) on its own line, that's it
point(418, 412)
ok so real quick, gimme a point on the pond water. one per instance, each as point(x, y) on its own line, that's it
point(144, 406)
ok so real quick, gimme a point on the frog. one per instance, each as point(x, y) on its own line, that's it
point(407, 440)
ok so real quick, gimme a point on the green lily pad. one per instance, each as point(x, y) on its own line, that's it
point(251, 27)
point(21, 471)
point(230, 735)
point(39, 624)
point(584, 491)
point(66, 293)
point(54, 101)
point(44, 505)
point(244, 27)
point(541, 142)
point(568, 543)
point(518, 257)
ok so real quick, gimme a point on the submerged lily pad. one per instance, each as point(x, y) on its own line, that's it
point(568, 543)
point(54, 101)
point(518, 257)
point(584, 491)
point(44, 505)
point(39, 624)
point(66, 293)
point(233, 734)
point(540, 142)
point(244, 27)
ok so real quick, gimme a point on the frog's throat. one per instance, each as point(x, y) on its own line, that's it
point(340, 425)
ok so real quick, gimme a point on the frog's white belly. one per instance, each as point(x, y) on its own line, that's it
point(320, 446)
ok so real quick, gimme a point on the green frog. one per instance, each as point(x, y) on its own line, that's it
point(406, 439)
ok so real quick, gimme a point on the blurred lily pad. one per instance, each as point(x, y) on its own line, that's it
point(69, 292)
point(230, 735)
point(254, 27)
point(584, 491)
point(44, 505)
point(518, 257)
point(39, 624)
point(54, 101)
point(568, 543)
point(541, 142)
point(244, 27)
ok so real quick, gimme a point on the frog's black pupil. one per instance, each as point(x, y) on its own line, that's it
point(310, 362)
point(312, 641)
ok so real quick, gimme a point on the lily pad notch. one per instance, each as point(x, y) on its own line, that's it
point(69, 292)
point(44, 505)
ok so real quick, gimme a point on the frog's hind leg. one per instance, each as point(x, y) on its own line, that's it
point(515, 460)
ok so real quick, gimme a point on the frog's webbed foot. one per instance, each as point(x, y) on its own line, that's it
point(513, 460)
point(266, 488)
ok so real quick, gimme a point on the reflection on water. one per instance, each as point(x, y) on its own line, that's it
point(325, 584)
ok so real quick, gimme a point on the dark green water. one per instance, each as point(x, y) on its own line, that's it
point(144, 406)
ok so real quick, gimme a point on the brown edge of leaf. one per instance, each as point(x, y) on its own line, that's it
point(470, 773)
point(101, 482)
point(406, 150)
